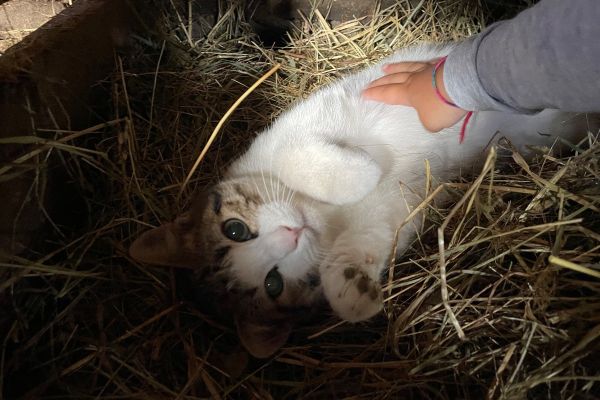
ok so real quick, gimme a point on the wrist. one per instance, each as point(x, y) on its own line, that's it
point(440, 83)
point(437, 81)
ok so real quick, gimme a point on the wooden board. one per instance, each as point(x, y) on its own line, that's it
point(48, 81)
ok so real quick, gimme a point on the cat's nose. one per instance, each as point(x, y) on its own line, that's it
point(294, 231)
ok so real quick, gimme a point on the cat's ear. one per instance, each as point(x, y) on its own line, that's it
point(172, 244)
point(262, 340)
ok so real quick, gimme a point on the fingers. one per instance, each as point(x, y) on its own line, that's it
point(399, 72)
point(394, 68)
point(394, 93)
point(390, 88)
point(399, 77)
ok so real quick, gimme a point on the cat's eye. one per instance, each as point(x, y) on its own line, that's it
point(236, 230)
point(274, 283)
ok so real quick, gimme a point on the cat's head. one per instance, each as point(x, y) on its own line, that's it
point(256, 243)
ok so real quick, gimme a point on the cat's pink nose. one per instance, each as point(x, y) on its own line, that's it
point(294, 231)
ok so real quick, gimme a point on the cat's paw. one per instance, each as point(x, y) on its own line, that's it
point(357, 180)
point(351, 285)
point(330, 173)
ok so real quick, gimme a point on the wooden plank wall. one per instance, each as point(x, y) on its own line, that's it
point(48, 81)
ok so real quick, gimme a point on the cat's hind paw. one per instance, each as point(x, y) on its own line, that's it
point(352, 289)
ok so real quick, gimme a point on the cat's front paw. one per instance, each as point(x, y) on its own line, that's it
point(329, 173)
point(351, 285)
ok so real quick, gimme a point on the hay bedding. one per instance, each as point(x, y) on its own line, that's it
point(83, 321)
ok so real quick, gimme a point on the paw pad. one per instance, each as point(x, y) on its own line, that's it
point(352, 294)
point(349, 273)
point(363, 285)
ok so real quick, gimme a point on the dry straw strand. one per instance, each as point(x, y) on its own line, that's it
point(82, 320)
point(222, 121)
point(573, 266)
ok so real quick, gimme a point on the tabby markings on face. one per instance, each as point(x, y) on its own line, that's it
point(262, 245)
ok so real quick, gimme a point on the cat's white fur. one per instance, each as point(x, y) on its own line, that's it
point(357, 169)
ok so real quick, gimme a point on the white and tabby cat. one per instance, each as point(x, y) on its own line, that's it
point(311, 210)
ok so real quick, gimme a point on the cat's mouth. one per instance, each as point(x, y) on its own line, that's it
point(306, 223)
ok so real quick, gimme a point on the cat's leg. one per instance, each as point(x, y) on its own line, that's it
point(328, 172)
point(351, 273)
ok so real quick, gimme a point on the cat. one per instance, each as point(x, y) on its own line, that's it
point(310, 211)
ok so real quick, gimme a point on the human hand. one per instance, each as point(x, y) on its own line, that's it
point(409, 84)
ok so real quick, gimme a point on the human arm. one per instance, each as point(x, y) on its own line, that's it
point(546, 57)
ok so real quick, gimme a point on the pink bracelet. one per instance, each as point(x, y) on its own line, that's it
point(434, 83)
point(463, 129)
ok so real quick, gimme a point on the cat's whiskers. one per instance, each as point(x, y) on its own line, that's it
point(318, 255)
point(290, 198)
point(260, 194)
point(275, 191)
point(327, 224)
point(271, 191)
point(287, 193)
point(262, 173)
point(278, 184)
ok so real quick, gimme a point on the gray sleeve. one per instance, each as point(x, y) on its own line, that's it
point(548, 56)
